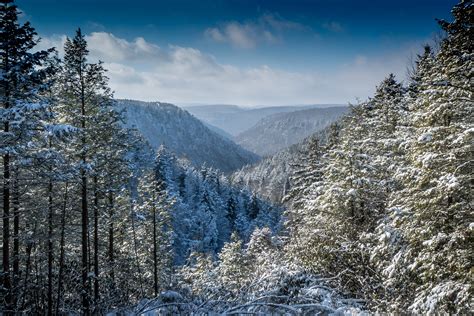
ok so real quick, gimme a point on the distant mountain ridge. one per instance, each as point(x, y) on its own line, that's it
point(281, 130)
point(168, 125)
point(235, 119)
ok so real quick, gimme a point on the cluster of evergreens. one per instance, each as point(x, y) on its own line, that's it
point(381, 204)
point(67, 165)
point(385, 205)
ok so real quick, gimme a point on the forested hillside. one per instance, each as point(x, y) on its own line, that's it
point(279, 131)
point(377, 216)
point(271, 177)
point(235, 120)
point(385, 206)
point(176, 129)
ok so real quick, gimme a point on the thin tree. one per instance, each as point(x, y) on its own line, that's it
point(83, 91)
point(21, 81)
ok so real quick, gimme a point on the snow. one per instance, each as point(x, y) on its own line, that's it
point(60, 130)
point(183, 134)
point(171, 296)
point(449, 181)
point(352, 192)
point(427, 137)
point(279, 131)
point(376, 207)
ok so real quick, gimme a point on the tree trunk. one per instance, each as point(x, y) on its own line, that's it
point(6, 193)
point(84, 206)
point(6, 230)
point(61, 250)
point(135, 245)
point(30, 243)
point(50, 247)
point(96, 243)
point(111, 237)
point(155, 250)
point(85, 237)
point(16, 230)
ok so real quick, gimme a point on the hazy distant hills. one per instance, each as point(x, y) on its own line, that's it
point(278, 131)
point(173, 127)
point(235, 120)
point(210, 139)
point(218, 130)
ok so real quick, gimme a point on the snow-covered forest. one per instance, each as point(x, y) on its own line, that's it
point(374, 214)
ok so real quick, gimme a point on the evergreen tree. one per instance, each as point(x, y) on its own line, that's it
point(85, 98)
point(155, 205)
point(23, 78)
point(432, 212)
point(234, 266)
point(253, 207)
point(231, 212)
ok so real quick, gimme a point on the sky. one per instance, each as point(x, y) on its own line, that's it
point(244, 52)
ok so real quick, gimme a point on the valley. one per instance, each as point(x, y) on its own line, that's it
point(236, 158)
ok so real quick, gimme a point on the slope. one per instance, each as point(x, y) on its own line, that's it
point(183, 134)
point(276, 132)
point(234, 119)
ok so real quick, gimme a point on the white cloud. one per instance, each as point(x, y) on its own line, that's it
point(141, 70)
point(238, 35)
point(268, 28)
point(215, 34)
point(107, 47)
point(56, 41)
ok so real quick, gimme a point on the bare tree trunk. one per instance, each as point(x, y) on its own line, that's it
point(29, 248)
point(38, 296)
point(84, 207)
point(16, 240)
point(135, 245)
point(96, 243)
point(6, 194)
point(111, 237)
point(6, 230)
point(50, 247)
point(155, 250)
point(84, 237)
point(61, 250)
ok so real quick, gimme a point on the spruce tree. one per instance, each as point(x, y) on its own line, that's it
point(234, 266)
point(434, 209)
point(23, 78)
point(85, 97)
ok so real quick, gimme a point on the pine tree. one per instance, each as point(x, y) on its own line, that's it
point(22, 80)
point(306, 172)
point(85, 96)
point(253, 207)
point(157, 203)
point(343, 207)
point(387, 240)
point(200, 274)
point(433, 210)
point(231, 211)
point(306, 176)
point(55, 170)
point(234, 266)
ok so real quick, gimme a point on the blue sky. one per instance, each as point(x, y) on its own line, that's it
point(248, 52)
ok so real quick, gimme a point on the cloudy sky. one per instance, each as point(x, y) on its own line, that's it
point(245, 52)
